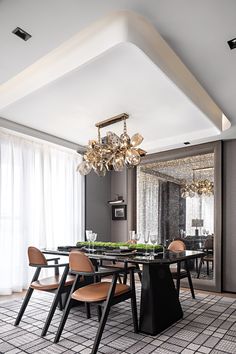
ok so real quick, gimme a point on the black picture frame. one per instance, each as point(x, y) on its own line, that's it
point(119, 212)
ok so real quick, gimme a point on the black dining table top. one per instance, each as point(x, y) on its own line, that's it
point(167, 257)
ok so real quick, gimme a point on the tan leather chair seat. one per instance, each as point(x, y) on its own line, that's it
point(98, 292)
point(51, 283)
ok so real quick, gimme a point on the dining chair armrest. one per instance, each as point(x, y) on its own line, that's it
point(53, 259)
point(49, 265)
point(100, 272)
point(107, 271)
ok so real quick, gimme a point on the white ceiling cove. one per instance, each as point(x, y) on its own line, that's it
point(118, 63)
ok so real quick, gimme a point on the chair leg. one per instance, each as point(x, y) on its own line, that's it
point(60, 304)
point(99, 309)
point(63, 320)
point(189, 279)
point(27, 297)
point(133, 302)
point(66, 310)
point(199, 268)
point(55, 302)
point(178, 278)
point(88, 312)
point(105, 314)
point(119, 278)
point(196, 265)
point(207, 267)
point(125, 273)
point(23, 306)
point(139, 272)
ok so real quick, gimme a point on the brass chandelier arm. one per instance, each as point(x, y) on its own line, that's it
point(203, 168)
point(112, 120)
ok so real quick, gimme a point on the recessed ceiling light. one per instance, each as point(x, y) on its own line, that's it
point(186, 143)
point(19, 32)
point(232, 43)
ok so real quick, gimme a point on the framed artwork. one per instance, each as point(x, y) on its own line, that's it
point(119, 212)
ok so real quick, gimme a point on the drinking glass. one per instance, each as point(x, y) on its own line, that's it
point(88, 237)
point(93, 239)
point(146, 240)
point(132, 235)
point(137, 237)
point(153, 239)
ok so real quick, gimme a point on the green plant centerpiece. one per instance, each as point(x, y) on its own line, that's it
point(120, 245)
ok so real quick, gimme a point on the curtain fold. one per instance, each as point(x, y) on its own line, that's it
point(147, 204)
point(41, 204)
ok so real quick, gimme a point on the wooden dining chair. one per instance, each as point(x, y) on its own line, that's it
point(208, 256)
point(177, 272)
point(103, 294)
point(58, 284)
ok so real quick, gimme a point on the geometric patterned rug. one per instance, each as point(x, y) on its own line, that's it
point(208, 326)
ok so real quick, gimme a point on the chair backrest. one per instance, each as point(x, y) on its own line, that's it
point(208, 244)
point(177, 245)
point(131, 242)
point(36, 256)
point(79, 262)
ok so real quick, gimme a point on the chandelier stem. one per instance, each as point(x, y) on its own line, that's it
point(99, 135)
point(125, 127)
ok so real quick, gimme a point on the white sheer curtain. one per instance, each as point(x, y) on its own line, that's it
point(200, 208)
point(147, 203)
point(41, 203)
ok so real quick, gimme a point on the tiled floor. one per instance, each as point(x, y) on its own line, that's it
point(209, 326)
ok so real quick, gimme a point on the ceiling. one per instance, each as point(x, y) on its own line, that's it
point(123, 79)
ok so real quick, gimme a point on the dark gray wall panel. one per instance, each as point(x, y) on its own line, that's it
point(229, 215)
point(98, 217)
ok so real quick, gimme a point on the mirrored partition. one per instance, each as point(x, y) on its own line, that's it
point(179, 197)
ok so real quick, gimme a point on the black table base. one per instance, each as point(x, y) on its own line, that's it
point(160, 306)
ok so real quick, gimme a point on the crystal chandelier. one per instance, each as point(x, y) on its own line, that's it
point(112, 152)
point(198, 187)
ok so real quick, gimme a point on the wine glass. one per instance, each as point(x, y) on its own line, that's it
point(137, 237)
point(88, 236)
point(153, 239)
point(132, 236)
point(93, 238)
point(146, 240)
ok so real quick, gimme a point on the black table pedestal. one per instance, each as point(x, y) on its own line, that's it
point(160, 306)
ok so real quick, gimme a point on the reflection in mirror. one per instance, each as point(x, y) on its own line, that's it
point(175, 199)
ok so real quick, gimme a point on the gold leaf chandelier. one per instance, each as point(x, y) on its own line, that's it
point(198, 187)
point(112, 152)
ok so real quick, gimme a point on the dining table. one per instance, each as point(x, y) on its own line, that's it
point(160, 306)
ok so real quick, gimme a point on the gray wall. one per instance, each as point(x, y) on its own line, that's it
point(119, 186)
point(98, 213)
point(229, 215)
